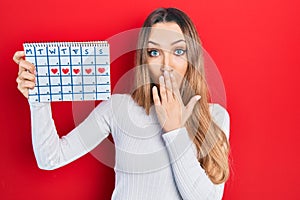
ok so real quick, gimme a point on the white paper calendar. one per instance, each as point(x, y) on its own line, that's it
point(70, 71)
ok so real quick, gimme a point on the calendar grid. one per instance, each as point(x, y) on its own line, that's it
point(95, 64)
point(82, 97)
point(49, 76)
point(60, 75)
point(37, 75)
point(70, 71)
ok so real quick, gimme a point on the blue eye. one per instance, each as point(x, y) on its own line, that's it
point(153, 53)
point(179, 52)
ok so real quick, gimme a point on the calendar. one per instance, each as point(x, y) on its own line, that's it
point(70, 71)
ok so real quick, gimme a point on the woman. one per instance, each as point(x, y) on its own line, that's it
point(170, 142)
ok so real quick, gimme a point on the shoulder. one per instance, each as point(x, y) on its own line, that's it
point(117, 99)
point(117, 103)
point(221, 117)
point(114, 102)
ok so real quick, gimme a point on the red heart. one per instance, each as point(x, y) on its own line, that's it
point(65, 71)
point(89, 70)
point(101, 70)
point(54, 70)
point(76, 71)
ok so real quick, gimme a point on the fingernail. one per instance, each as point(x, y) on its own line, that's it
point(198, 97)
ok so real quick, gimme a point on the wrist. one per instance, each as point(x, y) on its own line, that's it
point(170, 129)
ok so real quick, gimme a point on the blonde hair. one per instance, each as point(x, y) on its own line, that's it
point(210, 141)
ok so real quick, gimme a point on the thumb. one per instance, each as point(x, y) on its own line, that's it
point(190, 106)
point(18, 56)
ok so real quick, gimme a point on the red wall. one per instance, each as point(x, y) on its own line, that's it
point(256, 45)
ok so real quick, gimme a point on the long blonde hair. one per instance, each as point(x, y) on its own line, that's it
point(210, 141)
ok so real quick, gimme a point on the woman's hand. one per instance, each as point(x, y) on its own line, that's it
point(26, 74)
point(171, 112)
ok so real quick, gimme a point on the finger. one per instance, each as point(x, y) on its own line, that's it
point(162, 89)
point(25, 65)
point(161, 115)
point(23, 87)
point(190, 106)
point(175, 87)
point(25, 75)
point(26, 84)
point(168, 83)
point(18, 56)
point(18, 80)
point(155, 96)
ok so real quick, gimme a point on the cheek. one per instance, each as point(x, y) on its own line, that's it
point(155, 72)
point(180, 66)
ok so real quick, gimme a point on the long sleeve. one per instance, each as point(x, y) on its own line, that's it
point(52, 152)
point(190, 177)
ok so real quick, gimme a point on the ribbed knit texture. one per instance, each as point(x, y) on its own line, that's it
point(150, 164)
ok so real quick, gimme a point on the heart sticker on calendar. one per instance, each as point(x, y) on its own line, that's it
point(88, 71)
point(76, 71)
point(54, 70)
point(65, 70)
point(101, 70)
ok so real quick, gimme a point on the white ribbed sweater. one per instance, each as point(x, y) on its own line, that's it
point(149, 164)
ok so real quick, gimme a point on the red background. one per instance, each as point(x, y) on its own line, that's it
point(254, 43)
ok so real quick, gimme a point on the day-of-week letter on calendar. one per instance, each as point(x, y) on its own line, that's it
point(70, 71)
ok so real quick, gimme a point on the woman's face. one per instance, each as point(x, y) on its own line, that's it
point(166, 50)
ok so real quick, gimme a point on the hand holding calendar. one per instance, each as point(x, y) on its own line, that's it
point(65, 71)
point(26, 74)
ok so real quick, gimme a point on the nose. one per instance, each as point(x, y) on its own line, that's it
point(167, 62)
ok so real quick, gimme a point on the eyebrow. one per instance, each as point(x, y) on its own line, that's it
point(177, 41)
